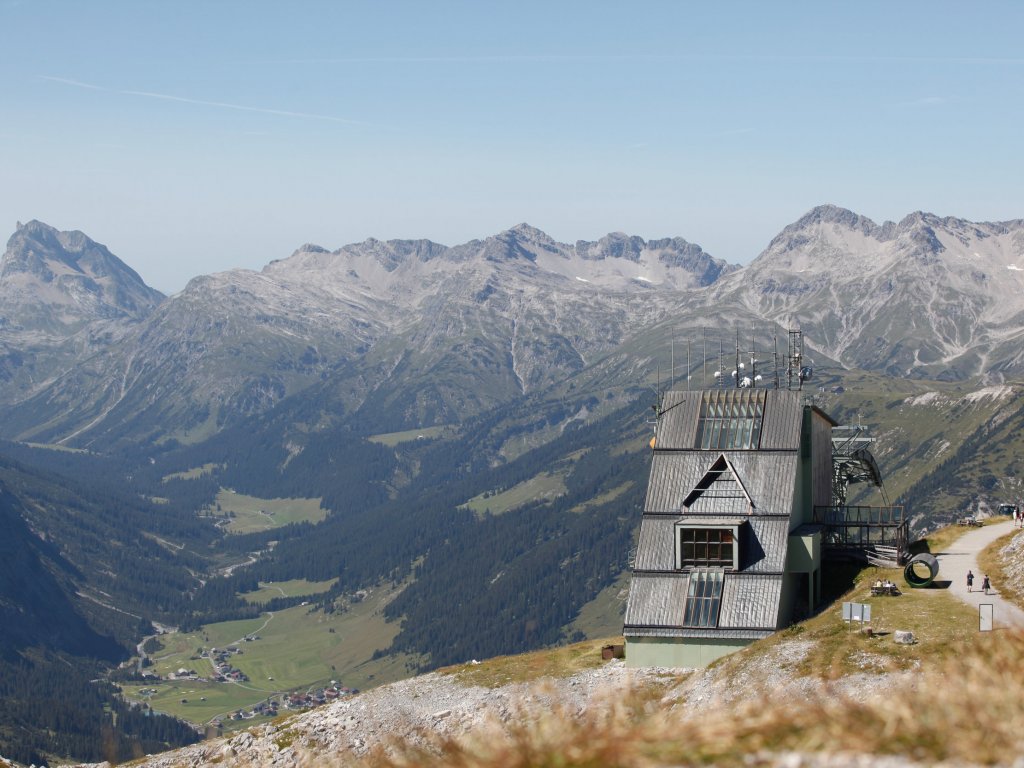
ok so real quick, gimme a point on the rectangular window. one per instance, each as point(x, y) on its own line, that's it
point(703, 598)
point(730, 419)
point(707, 547)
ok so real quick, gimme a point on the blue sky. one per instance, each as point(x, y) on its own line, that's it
point(192, 137)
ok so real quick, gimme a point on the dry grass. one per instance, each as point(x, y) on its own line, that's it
point(941, 623)
point(967, 710)
point(940, 540)
point(563, 661)
point(992, 562)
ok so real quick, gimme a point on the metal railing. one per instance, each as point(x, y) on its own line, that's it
point(863, 528)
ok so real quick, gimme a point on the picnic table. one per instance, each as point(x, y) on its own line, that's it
point(885, 588)
point(970, 520)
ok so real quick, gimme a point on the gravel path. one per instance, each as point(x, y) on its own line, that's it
point(963, 555)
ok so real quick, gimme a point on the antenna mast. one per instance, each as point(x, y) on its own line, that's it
point(795, 361)
point(775, 357)
point(721, 363)
point(704, 361)
point(687, 364)
point(736, 371)
point(672, 363)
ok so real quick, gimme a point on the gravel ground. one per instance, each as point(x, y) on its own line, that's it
point(428, 704)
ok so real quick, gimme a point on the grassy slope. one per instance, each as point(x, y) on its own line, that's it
point(291, 588)
point(391, 439)
point(254, 514)
point(193, 473)
point(995, 564)
point(546, 485)
point(563, 661)
point(602, 616)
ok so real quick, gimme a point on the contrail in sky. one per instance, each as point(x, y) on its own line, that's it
point(203, 102)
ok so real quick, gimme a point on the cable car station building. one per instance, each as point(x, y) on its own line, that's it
point(729, 547)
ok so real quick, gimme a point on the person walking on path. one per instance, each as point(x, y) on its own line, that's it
point(986, 584)
point(961, 556)
point(970, 580)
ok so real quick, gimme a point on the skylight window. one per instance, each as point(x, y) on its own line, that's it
point(704, 598)
point(730, 419)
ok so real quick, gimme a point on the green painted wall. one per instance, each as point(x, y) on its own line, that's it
point(803, 503)
point(804, 553)
point(678, 651)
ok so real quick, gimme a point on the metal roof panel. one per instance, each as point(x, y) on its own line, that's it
point(677, 422)
point(750, 601)
point(783, 418)
point(657, 600)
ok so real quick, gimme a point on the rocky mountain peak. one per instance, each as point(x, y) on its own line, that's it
point(520, 243)
point(391, 254)
point(68, 276)
point(818, 220)
point(833, 214)
point(614, 245)
point(524, 231)
point(311, 248)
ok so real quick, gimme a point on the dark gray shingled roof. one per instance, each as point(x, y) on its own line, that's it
point(711, 634)
point(677, 425)
point(655, 551)
point(657, 600)
point(656, 547)
point(750, 601)
point(780, 430)
point(769, 478)
point(772, 534)
point(783, 419)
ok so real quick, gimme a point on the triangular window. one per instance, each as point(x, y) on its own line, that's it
point(720, 484)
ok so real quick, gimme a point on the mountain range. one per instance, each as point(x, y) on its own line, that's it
point(90, 356)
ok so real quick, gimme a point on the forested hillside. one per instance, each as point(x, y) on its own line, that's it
point(67, 617)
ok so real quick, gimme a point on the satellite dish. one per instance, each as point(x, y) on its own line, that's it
point(806, 372)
